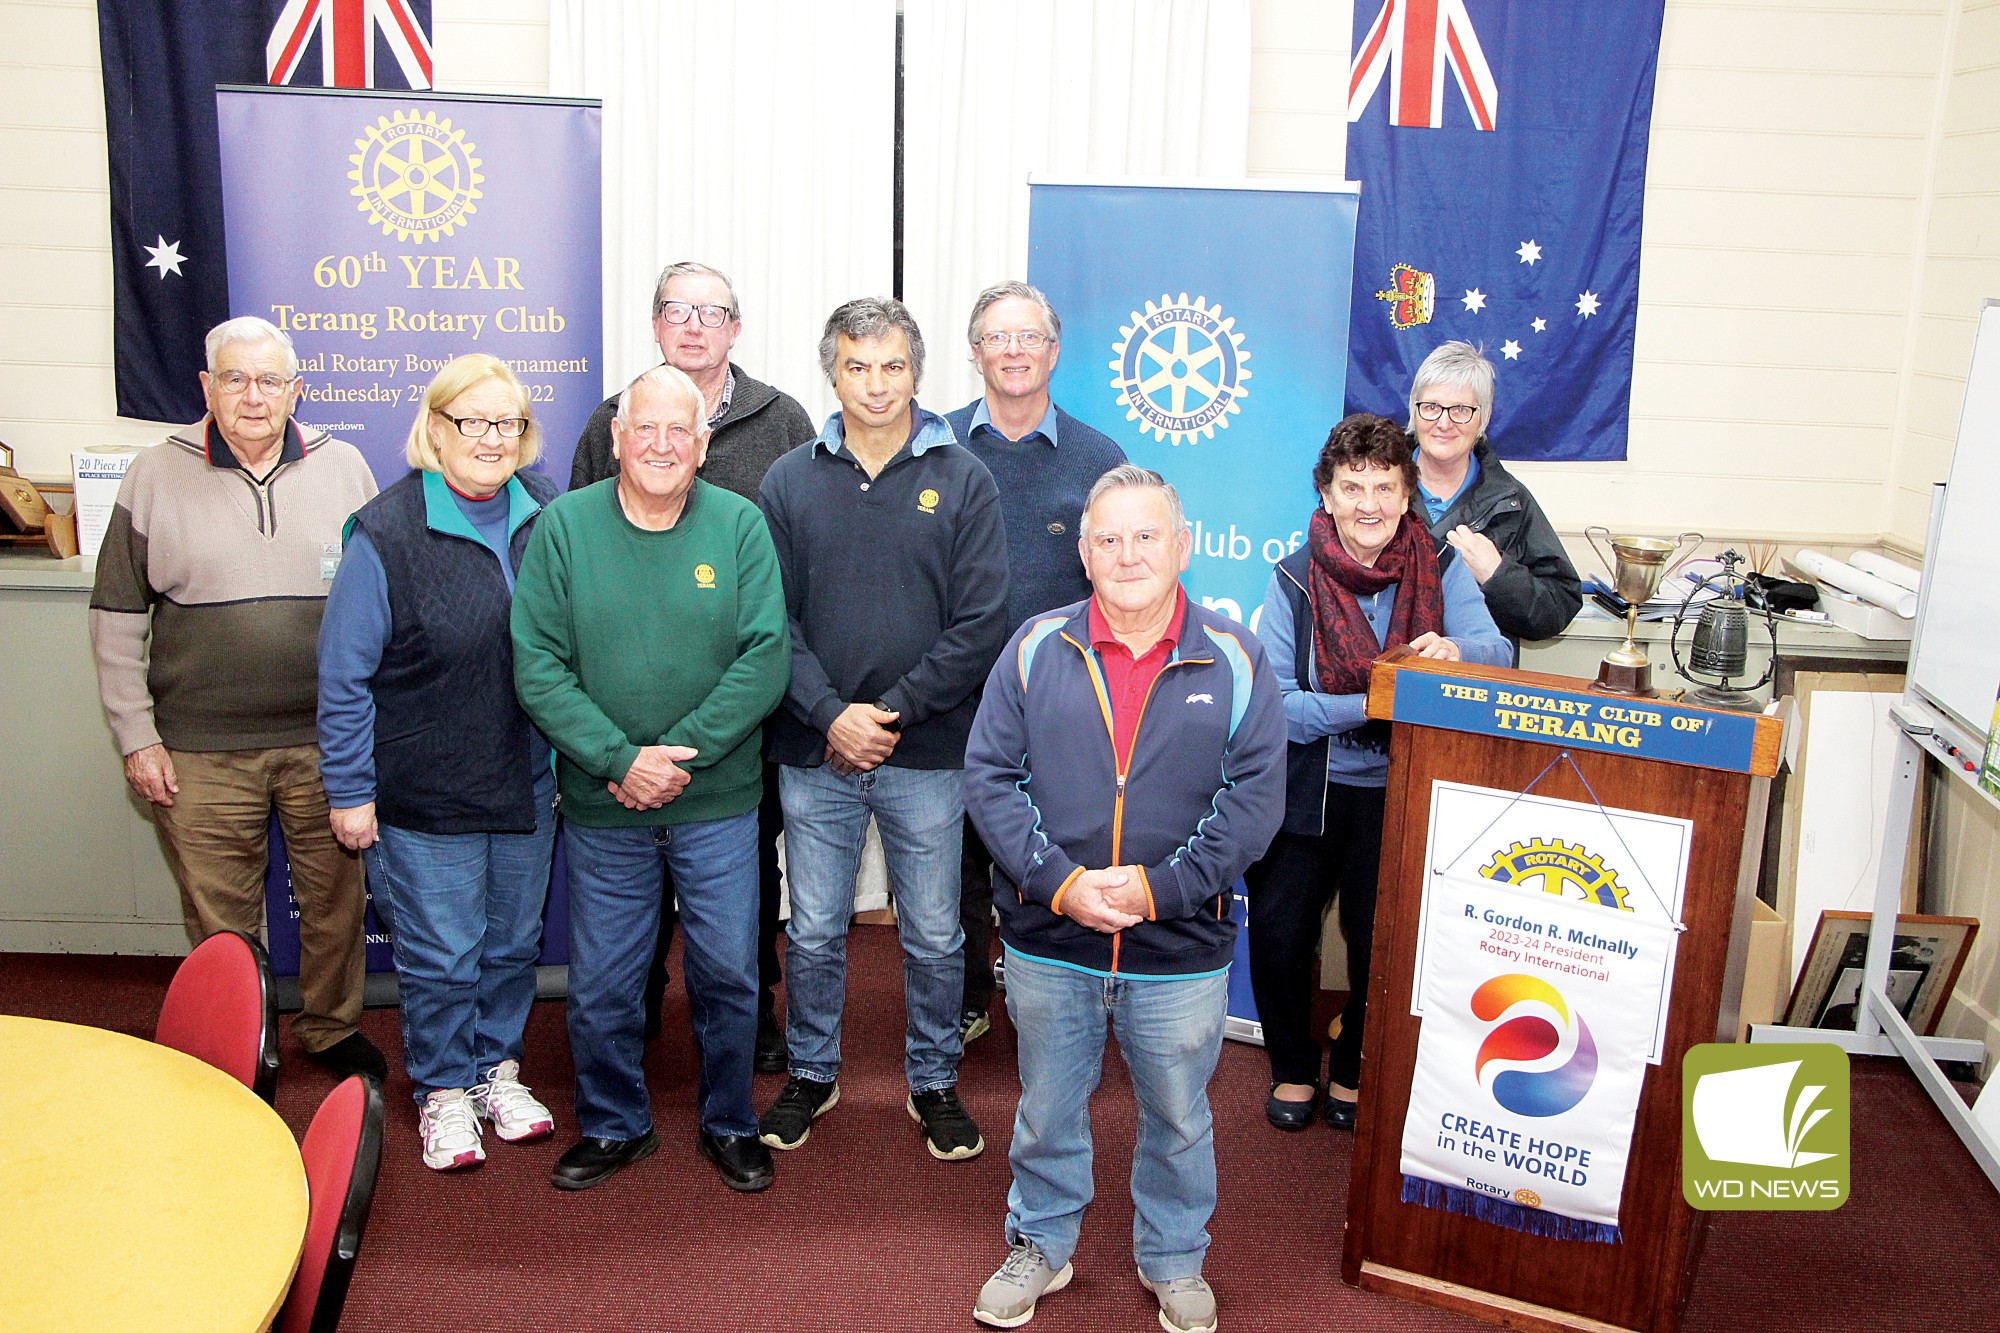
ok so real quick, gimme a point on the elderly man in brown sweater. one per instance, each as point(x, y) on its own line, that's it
point(219, 552)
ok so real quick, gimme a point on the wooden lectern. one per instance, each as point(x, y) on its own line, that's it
point(1500, 728)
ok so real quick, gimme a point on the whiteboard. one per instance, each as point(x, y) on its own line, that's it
point(1955, 652)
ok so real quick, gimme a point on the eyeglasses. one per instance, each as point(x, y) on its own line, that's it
point(649, 433)
point(1027, 342)
point(1461, 413)
point(474, 428)
point(235, 382)
point(678, 312)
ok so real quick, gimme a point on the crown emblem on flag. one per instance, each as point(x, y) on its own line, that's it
point(1412, 294)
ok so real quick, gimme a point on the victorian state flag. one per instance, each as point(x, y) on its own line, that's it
point(1501, 150)
point(162, 61)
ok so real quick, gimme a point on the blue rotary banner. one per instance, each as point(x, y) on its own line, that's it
point(162, 60)
point(392, 232)
point(1501, 151)
point(1205, 330)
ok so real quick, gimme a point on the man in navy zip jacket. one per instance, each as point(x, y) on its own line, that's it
point(1125, 767)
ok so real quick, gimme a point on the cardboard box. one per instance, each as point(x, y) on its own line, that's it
point(98, 474)
point(1864, 618)
point(1766, 972)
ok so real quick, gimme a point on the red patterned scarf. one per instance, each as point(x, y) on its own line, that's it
point(1343, 644)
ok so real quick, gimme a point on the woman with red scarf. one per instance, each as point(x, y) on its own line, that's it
point(1365, 581)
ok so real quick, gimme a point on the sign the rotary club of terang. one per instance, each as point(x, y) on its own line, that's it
point(1545, 959)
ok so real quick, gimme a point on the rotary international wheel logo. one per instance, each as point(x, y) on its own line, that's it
point(1566, 870)
point(1179, 369)
point(415, 176)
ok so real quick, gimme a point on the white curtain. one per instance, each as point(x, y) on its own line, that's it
point(756, 136)
point(997, 90)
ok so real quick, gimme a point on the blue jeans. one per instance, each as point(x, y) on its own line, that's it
point(464, 912)
point(920, 813)
point(1170, 1033)
point(616, 885)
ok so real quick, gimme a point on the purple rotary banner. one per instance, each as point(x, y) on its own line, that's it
point(389, 232)
point(1501, 150)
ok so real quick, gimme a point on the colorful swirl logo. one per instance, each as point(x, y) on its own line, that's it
point(1528, 1037)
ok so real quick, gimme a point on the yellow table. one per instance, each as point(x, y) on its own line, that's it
point(139, 1188)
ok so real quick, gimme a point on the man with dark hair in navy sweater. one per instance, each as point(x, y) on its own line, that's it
point(1044, 461)
point(895, 568)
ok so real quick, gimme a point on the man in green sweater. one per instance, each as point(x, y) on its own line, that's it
point(649, 645)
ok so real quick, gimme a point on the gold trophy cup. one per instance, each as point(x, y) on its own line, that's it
point(1636, 566)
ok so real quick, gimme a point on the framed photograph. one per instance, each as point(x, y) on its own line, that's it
point(1923, 967)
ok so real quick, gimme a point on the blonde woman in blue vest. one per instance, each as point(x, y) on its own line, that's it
point(432, 770)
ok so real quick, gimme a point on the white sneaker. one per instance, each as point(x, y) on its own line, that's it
point(451, 1131)
point(505, 1101)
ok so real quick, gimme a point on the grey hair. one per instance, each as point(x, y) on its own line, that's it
point(1131, 474)
point(687, 268)
point(250, 329)
point(1001, 291)
point(1460, 365)
point(669, 380)
point(871, 317)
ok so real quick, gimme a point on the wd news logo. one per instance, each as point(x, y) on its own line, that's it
point(1764, 1127)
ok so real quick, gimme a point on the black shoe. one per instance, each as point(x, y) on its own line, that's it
point(741, 1159)
point(948, 1131)
point(353, 1054)
point(1341, 1114)
point(772, 1055)
point(790, 1118)
point(1288, 1116)
point(972, 1025)
point(594, 1161)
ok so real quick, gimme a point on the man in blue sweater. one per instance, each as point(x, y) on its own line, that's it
point(895, 568)
point(1044, 461)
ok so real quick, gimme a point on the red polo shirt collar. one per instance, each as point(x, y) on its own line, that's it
point(1128, 680)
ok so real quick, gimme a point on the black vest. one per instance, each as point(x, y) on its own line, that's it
point(454, 753)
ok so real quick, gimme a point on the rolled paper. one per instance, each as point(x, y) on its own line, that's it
point(1882, 567)
point(1862, 584)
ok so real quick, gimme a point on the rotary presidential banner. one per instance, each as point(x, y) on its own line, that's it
point(1209, 354)
point(1544, 961)
point(1629, 861)
point(388, 233)
point(1538, 1015)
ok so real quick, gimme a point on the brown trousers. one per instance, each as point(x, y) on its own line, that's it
point(215, 835)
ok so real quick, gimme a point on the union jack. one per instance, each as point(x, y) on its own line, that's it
point(347, 41)
point(1421, 37)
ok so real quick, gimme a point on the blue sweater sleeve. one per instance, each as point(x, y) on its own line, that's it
point(1309, 714)
point(352, 636)
point(1468, 623)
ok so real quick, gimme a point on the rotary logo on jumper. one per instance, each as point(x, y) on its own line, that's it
point(415, 176)
point(1179, 369)
point(1568, 871)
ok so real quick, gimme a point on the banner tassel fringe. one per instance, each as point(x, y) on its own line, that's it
point(1503, 1213)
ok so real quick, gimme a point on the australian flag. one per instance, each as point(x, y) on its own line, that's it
point(1501, 150)
point(162, 60)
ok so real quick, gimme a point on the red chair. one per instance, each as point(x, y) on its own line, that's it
point(221, 1009)
point(342, 1151)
